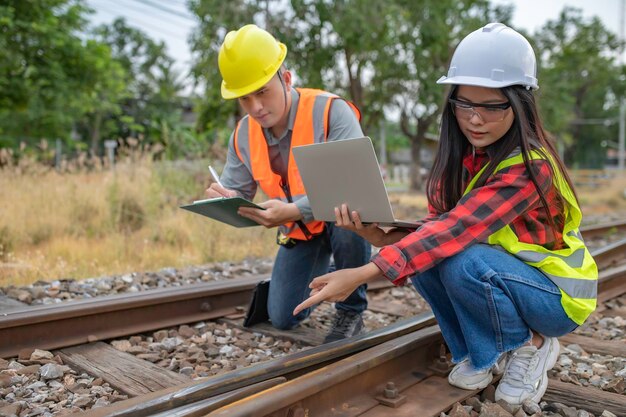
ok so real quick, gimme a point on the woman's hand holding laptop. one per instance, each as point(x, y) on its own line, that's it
point(351, 220)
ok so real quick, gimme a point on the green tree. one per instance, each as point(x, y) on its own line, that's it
point(348, 47)
point(328, 48)
point(153, 100)
point(217, 18)
point(48, 73)
point(104, 98)
point(385, 56)
point(428, 36)
point(580, 85)
point(380, 55)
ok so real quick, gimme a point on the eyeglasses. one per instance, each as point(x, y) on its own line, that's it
point(487, 112)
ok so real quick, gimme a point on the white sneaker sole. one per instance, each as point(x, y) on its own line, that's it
point(497, 369)
point(553, 356)
point(477, 385)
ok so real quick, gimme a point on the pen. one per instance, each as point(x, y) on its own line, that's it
point(215, 176)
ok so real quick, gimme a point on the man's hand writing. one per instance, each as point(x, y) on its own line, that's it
point(215, 190)
point(276, 213)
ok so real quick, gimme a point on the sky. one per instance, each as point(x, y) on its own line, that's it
point(169, 20)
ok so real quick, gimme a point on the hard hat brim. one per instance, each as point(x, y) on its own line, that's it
point(232, 93)
point(481, 82)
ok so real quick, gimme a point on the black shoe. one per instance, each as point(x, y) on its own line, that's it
point(346, 324)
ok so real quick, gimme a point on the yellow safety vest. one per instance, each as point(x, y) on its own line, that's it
point(572, 268)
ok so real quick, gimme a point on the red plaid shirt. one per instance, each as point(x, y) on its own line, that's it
point(508, 197)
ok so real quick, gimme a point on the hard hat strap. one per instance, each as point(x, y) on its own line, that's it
point(282, 83)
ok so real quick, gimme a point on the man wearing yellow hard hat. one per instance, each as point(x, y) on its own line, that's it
point(278, 118)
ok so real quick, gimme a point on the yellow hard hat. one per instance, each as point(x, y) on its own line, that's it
point(248, 59)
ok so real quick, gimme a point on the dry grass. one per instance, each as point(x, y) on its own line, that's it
point(110, 222)
point(598, 195)
point(604, 196)
point(90, 224)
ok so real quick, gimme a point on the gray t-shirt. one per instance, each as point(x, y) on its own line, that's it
point(343, 124)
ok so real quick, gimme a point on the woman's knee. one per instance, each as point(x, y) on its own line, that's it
point(428, 282)
point(466, 265)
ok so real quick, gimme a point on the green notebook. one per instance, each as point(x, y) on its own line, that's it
point(224, 209)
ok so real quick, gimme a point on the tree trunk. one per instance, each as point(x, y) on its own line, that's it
point(417, 141)
point(416, 164)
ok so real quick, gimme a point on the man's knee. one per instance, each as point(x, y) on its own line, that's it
point(283, 321)
point(354, 250)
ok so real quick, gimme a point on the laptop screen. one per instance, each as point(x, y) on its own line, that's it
point(344, 171)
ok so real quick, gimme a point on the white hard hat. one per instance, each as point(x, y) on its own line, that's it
point(494, 56)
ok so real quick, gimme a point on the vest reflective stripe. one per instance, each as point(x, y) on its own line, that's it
point(572, 268)
point(575, 259)
point(310, 126)
point(576, 288)
point(576, 233)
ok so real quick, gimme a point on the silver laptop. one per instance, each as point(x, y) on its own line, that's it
point(345, 171)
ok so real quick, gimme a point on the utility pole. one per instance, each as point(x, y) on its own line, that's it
point(267, 16)
point(622, 108)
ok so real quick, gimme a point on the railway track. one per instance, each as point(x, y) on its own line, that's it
point(390, 367)
point(403, 376)
point(89, 320)
point(598, 230)
point(101, 318)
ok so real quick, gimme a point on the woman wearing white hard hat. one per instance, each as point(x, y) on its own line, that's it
point(500, 258)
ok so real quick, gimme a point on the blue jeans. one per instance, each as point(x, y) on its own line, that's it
point(295, 268)
point(486, 301)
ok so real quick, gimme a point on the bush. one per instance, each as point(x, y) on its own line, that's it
point(127, 214)
point(130, 216)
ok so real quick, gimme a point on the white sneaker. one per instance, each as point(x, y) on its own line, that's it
point(465, 376)
point(526, 375)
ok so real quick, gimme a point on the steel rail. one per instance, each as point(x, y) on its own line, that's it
point(596, 230)
point(99, 318)
point(89, 320)
point(352, 386)
point(198, 408)
point(177, 399)
point(185, 401)
point(611, 254)
point(611, 283)
point(321, 392)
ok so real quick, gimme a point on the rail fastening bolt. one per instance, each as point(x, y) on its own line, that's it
point(391, 391)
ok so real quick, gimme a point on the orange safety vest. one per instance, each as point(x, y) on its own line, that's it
point(310, 126)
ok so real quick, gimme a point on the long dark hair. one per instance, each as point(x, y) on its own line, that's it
point(445, 184)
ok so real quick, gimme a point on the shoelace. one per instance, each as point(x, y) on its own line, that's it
point(342, 323)
point(522, 363)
